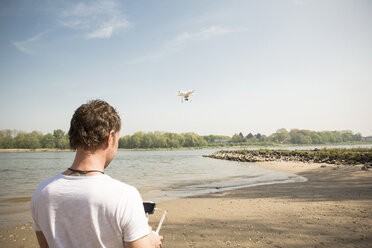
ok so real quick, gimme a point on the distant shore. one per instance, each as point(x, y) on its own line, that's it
point(36, 150)
point(277, 146)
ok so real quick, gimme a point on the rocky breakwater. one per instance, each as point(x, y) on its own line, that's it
point(336, 156)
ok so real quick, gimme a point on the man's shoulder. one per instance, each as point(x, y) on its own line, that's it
point(44, 184)
point(103, 184)
point(107, 189)
point(48, 181)
point(118, 184)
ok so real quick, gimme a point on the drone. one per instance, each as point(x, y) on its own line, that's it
point(186, 95)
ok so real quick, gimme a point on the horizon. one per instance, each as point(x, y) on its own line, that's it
point(15, 132)
point(255, 66)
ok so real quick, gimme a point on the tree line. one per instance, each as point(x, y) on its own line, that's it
point(11, 139)
point(299, 136)
point(169, 140)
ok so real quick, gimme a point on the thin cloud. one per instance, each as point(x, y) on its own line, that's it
point(25, 46)
point(104, 32)
point(101, 19)
point(200, 35)
point(179, 42)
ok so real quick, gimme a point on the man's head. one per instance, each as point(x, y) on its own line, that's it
point(91, 125)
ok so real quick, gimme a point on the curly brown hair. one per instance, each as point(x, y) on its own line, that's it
point(91, 125)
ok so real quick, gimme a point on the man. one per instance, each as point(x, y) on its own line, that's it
point(82, 207)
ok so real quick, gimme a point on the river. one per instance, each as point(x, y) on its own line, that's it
point(158, 175)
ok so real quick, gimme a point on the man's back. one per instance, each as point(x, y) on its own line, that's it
point(93, 211)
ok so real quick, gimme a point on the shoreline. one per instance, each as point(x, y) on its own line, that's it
point(200, 148)
point(35, 150)
point(331, 209)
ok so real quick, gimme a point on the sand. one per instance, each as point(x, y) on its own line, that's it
point(331, 209)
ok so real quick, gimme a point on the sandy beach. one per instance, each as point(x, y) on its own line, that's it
point(331, 209)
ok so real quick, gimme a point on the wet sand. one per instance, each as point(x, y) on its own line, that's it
point(331, 209)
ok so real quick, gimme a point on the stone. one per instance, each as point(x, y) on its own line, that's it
point(365, 168)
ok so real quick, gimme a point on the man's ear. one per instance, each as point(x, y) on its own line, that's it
point(110, 138)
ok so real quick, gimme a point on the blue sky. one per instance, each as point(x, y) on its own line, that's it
point(256, 66)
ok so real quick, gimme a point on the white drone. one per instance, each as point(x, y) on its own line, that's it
point(186, 95)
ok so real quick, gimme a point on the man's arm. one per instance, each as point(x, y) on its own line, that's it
point(143, 242)
point(149, 241)
point(41, 239)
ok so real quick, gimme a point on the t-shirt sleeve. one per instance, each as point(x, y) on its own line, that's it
point(135, 224)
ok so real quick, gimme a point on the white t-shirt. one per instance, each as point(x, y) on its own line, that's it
point(88, 211)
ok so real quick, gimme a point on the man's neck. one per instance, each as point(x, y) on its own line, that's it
point(86, 161)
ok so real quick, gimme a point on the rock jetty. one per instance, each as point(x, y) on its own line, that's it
point(330, 156)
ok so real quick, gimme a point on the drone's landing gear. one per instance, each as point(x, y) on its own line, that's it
point(186, 99)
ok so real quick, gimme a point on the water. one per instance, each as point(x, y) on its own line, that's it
point(159, 175)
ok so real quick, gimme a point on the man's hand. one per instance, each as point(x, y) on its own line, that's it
point(156, 239)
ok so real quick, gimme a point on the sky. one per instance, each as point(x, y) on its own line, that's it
point(255, 66)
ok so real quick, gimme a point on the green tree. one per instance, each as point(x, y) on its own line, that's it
point(338, 137)
point(19, 141)
point(299, 137)
point(6, 139)
point(181, 139)
point(60, 139)
point(282, 135)
point(316, 138)
point(124, 142)
point(48, 141)
point(31, 141)
point(191, 140)
point(6, 142)
point(210, 138)
point(347, 136)
point(136, 140)
point(201, 142)
point(249, 136)
point(329, 137)
point(174, 140)
point(146, 141)
point(263, 138)
point(58, 134)
point(64, 143)
point(357, 137)
point(159, 141)
point(236, 138)
point(242, 138)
